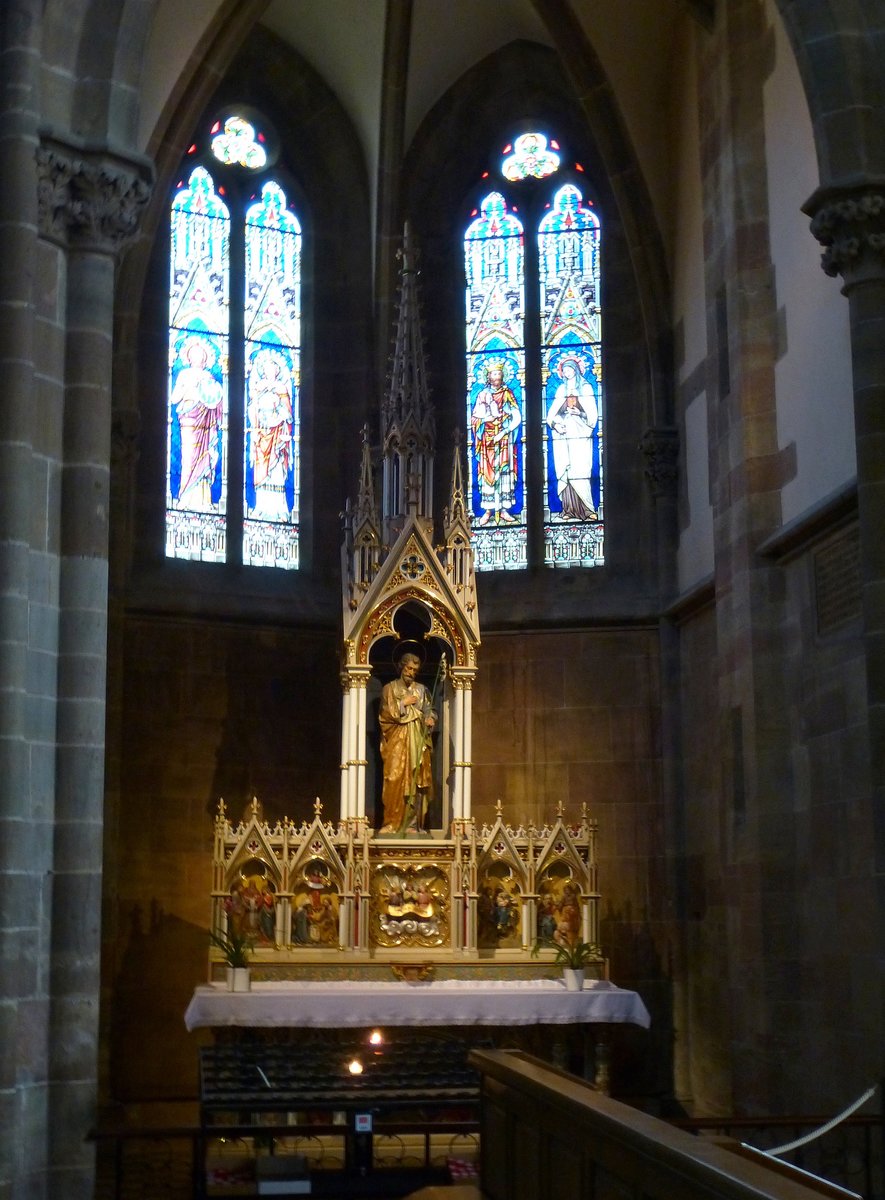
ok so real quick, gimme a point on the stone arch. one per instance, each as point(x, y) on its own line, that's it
point(93, 53)
point(838, 47)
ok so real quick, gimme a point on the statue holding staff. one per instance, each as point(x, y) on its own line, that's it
point(407, 719)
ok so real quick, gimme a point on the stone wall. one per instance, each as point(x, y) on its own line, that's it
point(210, 710)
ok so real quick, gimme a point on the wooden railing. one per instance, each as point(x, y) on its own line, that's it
point(852, 1154)
point(546, 1135)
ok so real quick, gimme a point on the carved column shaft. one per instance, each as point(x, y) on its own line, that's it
point(353, 742)
point(89, 204)
point(850, 224)
point(28, 621)
point(344, 807)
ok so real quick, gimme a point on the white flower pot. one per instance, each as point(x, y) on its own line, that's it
point(574, 979)
point(238, 979)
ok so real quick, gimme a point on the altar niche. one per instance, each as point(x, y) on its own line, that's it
point(427, 808)
point(417, 600)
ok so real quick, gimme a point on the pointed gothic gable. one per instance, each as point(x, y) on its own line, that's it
point(317, 843)
point(252, 845)
point(559, 848)
point(499, 847)
point(412, 571)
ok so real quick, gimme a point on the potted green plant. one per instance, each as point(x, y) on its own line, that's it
point(572, 956)
point(235, 949)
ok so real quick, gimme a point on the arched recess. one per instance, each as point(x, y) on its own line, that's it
point(839, 47)
point(521, 83)
point(323, 153)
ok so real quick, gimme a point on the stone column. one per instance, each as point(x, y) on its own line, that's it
point(359, 682)
point(345, 807)
point(660, 448)
point(850, 223)
point(755, 851)
point(25, 759)
point(462, 742)
point(90, 202)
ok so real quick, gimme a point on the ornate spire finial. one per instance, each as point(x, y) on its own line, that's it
point(365, 505)
point(408, 430)
point(499, 808)
point(457, 509)
point(317, 806)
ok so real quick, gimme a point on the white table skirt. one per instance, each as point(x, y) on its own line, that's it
point(349, 1005)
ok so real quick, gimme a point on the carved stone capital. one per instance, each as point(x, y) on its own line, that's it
point(849, 222)
point(90, 198)
point(661, 449)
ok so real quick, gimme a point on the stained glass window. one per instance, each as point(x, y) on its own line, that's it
point(530, 158)
point(534, 366)
point(494, 255)
point(571, 372)
point(273, 338)
point(237, 142)
point(246, 245)
point(197, 439)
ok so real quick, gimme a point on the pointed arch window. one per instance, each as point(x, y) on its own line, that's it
point(534, 364)
point(233, 421)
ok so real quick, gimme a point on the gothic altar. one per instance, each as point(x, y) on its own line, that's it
point(418, 887)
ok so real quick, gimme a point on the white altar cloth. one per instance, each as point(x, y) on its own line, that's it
point(351, 1005)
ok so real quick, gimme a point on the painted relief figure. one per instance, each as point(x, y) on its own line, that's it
point(197, 402)
point(407, 719)
point(251, 910)
point(559, 917)
point(270, 428)
point(572, 418)
point(315, 908)
point(498, 908)
point(495, 420)
point(409, 906)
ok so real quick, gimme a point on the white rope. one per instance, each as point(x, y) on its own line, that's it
point(816, 1133)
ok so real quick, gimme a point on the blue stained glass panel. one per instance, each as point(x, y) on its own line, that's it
point(196, 492)
point(495, 337)
point(272, 380)
point(571, 367)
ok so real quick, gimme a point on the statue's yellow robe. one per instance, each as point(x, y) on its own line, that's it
point(405, 752)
